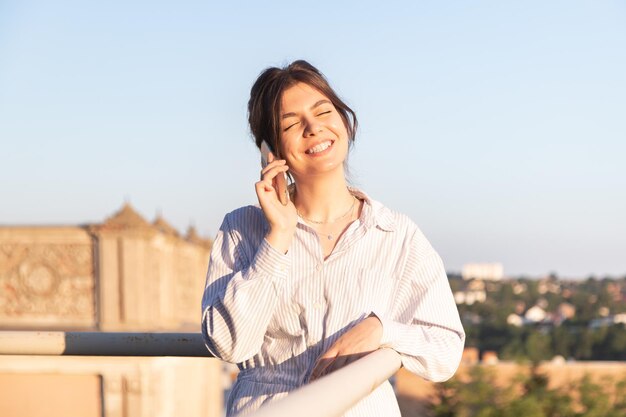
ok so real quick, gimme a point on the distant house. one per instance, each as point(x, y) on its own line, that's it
point(519, 288)
point(469, 318)
point(548, 285)
point(490, 357)
point(485, 271)
point(470, 356)
point(515, 320)
point(615, 291)
point(470, 297)
point(476, 285)
point(566, 311)
point(535, 314)
point(608, 321)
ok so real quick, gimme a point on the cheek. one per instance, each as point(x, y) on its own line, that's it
point(284, 144)
point(287, 148)
point(339, 127)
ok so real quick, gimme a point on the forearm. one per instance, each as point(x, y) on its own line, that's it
point(425, 327)
point(430, 351)
point(280, 238)
point(237, 306)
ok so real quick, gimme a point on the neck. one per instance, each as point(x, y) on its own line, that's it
point(323, 198)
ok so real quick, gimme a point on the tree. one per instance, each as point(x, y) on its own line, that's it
point(527, 395)
point(538, 347)
point(595, 401)
point(476, 395)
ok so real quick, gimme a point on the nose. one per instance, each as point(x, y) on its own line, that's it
point(312, 127)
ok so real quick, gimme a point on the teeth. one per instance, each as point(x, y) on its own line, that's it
point(319, 148)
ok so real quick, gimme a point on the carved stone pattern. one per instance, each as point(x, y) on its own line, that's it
point(46, 281)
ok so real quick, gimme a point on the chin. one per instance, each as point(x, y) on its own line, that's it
point(325, 169)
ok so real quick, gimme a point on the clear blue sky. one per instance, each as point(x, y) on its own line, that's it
point(499, 127)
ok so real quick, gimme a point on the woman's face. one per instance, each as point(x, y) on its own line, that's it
point(314, 139)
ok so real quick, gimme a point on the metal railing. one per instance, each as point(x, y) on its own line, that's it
point(102, 344)
point(334, 394)
point(329, 396)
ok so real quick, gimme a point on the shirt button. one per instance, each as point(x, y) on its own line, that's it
point(318, 266)
point(318, 305)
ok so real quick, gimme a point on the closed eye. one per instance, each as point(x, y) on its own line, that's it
point(322, 113)
point(290, 126)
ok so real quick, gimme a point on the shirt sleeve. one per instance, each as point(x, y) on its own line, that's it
point(240, 295)
point(424, 324)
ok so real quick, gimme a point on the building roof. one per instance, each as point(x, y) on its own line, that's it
point(126, 218)
point(164, 227)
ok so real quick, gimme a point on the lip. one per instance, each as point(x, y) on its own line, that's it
point(324, 152)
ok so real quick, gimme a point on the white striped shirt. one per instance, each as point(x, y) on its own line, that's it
point(274, 314)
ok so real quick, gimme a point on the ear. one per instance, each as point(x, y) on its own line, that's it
point(276, 148)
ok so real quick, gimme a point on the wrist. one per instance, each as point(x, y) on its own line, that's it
point(280, 238)
point(376, 325)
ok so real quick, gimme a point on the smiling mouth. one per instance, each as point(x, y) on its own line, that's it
point(320, 147)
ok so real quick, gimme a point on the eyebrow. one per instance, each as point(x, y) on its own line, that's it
point(319, 103)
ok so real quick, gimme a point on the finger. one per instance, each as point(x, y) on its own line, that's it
point(264, 187)
point(322, 363)
point(272, 164)
point(332, 367)
point(316, 372)
point(271, 173)
point(326, 366)
point(341, 361)
point(268, 167)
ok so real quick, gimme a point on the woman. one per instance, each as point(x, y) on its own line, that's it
point(297, 291)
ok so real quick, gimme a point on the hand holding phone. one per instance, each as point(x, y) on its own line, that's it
point(280, 181)
point(281, 214)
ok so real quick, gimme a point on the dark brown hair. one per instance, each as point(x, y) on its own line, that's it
point(265, 100)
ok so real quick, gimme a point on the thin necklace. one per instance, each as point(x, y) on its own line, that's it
point(330, 235)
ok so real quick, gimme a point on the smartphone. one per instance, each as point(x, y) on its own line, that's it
point(280, 181)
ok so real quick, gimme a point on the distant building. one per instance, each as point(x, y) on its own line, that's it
point(470, 356)
point(484, 271)
point(535, 314)
point(476, 285)
point(515, 320)
point(124, 274)
point(615, 291)
point(471, 319)
point(490, 357)
point(548, 285)
point(608, 321)
point(470, 297)
point(519, 288)
point(566, 311)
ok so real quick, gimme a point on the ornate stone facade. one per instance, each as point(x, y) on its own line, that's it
point(123, 274)
point(46, 278)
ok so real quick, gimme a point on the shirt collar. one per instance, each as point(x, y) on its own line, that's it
point(374, 213)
